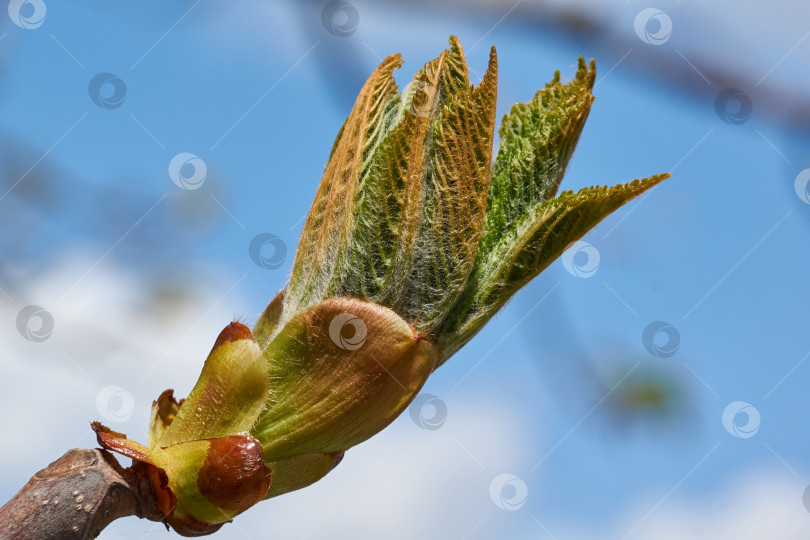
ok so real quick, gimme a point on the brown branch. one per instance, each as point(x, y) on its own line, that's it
point(76, 497)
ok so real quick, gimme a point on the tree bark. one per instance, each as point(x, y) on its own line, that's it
point(76, 497)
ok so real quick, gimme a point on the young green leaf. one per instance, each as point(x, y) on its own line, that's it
point(537, 140)
point(526, 249)
point(388, 209)
point(456, 179)
point(329, 227)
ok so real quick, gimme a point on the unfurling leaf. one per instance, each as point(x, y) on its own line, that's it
point(401, 226)
point(455, 184)
point(328, 230)
point(540, 237)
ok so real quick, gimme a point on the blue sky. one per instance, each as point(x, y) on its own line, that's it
point(258, 92)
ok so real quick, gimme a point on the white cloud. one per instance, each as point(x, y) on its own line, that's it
point(759, 505)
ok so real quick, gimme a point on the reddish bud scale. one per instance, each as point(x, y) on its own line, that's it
point(159, 482)
point(233, 476)
point(233, 332)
